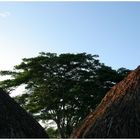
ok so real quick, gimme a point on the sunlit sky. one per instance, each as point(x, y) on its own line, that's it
point(109, 29)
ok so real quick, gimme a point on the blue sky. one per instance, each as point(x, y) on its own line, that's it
point(109, 29)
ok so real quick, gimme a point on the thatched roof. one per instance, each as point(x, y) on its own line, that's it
point(15, 122)
point(118, 114)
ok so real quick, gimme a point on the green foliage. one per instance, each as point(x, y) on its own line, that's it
point(123, 72)
point(62, 88)
point(53, 133)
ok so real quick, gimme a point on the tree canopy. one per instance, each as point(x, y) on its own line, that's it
point(63, 88)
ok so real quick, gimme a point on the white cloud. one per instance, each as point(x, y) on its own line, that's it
point(4, 14)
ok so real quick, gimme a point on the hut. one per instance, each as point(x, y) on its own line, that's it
point(15, 122)
point(118, 114)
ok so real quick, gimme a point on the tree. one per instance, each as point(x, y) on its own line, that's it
point(123, 72)
point(63, 88)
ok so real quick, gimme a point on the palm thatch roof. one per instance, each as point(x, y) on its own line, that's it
point(15, 122)
point(118, 114)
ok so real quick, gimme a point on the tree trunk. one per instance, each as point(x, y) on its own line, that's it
point(60, 130)
point(15, 122)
